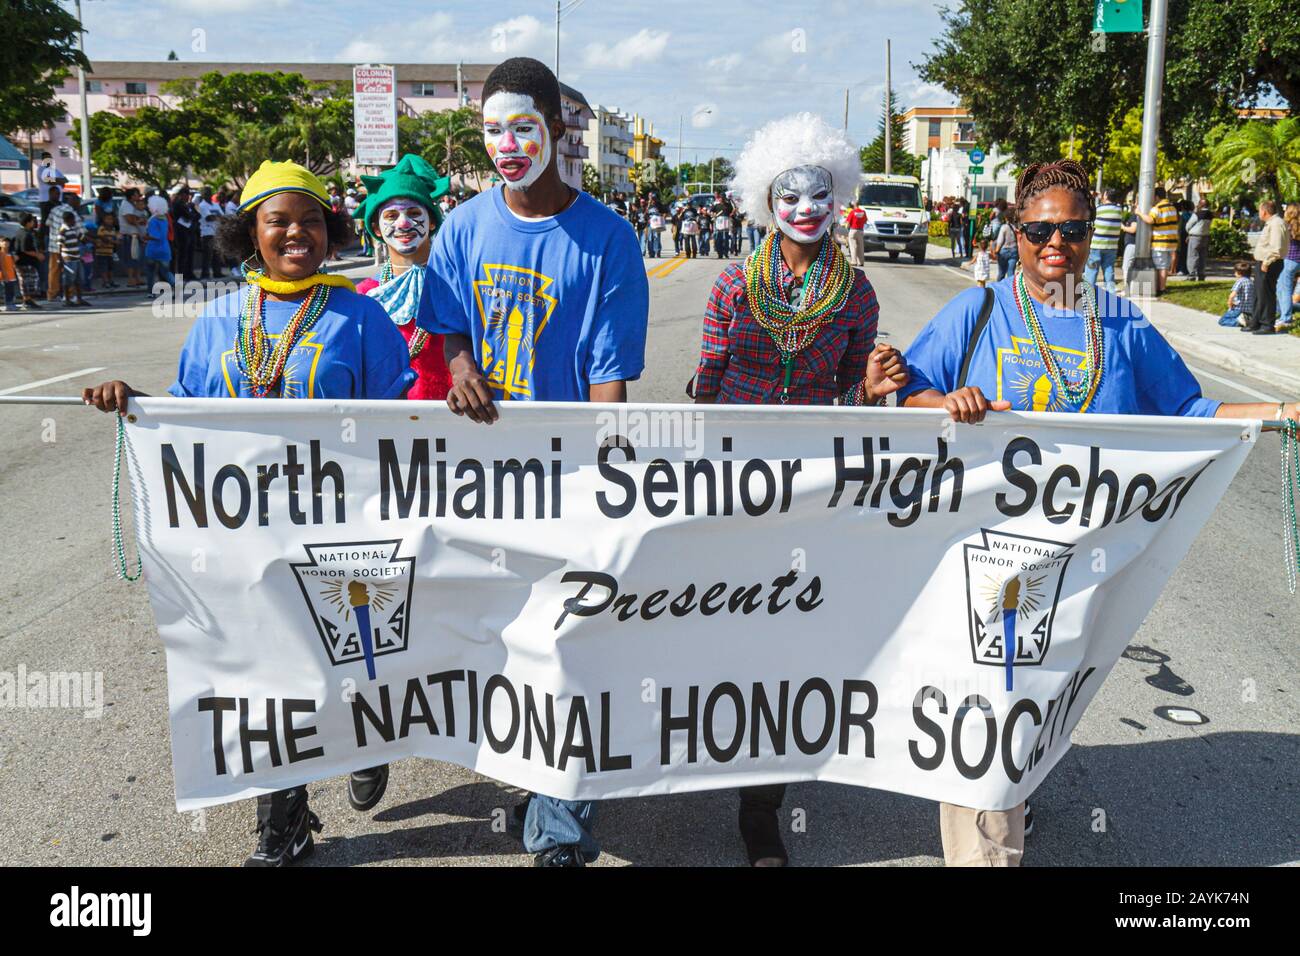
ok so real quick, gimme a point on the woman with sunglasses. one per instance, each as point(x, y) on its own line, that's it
point(1045, 340)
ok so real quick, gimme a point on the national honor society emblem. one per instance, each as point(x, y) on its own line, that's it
point(359, 595)
point(514, 308)
point(1013, 584)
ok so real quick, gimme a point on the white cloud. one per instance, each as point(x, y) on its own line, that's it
point(704, 115)
point(220, 7)
point(644, 46)
point(436, 39)
point(724, 64)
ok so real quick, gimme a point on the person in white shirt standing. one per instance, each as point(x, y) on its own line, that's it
point(210, 216)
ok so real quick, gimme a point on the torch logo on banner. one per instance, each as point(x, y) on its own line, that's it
point(1013, 583)
point(359, 594)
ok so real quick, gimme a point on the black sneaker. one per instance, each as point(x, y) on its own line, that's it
point(1029, 819)
point(366, 787)
point(284, 827)
point(518, 814)
point(568, 855)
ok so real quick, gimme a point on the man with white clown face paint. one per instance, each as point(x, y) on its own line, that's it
point(516, 137)
point(401, 211)
point(541, 295)
point(793, 324)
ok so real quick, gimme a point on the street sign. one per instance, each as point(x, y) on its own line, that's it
point(976, 156)
point(374, 115)
point(976, 170)
point(1117, 16)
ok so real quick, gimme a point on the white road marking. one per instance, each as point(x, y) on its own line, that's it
point(1244, 389)
point(50, 381)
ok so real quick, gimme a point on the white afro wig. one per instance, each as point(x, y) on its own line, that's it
point(799, 140)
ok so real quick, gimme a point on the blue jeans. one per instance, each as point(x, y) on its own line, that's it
point(753, 238)
point(655, 243)
point(704, 243)
point(551, 822)
point(155, 269)
point(1286, 283)
point(1230, 317)
point(1105, 260)
point(1006, 263)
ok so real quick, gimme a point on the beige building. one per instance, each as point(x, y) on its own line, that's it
point(943, 137)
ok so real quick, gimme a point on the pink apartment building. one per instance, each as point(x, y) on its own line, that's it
point(124, 87)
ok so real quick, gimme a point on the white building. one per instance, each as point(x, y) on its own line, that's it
point(609, 139)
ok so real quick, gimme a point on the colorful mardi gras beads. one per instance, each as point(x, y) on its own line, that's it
point(1077, 393)
point(261, 366)
point(826, 288)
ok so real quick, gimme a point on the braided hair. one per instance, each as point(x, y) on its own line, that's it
point(1066, 174)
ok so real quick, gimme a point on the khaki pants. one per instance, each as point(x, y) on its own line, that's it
point(855, 246)
point(54, 280)
point(982, 837)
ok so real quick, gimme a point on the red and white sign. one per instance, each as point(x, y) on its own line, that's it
point(374, 114)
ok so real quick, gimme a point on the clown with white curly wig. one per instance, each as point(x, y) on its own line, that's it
point(793, 324)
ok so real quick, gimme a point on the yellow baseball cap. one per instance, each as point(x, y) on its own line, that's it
point(288, 177)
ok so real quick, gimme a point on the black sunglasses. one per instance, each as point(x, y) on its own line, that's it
point(1072, 230)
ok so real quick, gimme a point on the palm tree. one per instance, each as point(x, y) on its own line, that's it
point(1259, 155)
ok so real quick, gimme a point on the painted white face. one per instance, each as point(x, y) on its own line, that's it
point(403, 225)
point(803, 203)
point(516, 137)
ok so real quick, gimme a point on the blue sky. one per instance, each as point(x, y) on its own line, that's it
point(724, 66)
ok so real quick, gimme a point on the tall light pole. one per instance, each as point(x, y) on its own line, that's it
point(1142, 275)
point(679, 149)
point(889, 132)
point(85, 113)
point(557, 39)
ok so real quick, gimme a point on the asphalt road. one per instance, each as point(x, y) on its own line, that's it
point(1134, 790)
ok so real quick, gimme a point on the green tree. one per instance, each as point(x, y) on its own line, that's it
point(1030, 71)
point(39, 48)
point(450, 140)
point(1259, 155)
point(903, 163)
point(156, 146)
point(591, 180)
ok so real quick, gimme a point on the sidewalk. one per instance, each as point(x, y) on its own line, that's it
point(1274, 359)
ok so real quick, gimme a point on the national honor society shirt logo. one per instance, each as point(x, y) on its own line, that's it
point(1013, 584)
point(1023, 381)
point(359, 595)
point(298, 381)
point(514, 307)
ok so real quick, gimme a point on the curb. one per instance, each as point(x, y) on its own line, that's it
point(1287, 379)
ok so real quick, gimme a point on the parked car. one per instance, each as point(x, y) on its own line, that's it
point(13, 209)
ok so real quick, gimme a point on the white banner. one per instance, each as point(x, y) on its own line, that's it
point(374, 115)
point(603, 601)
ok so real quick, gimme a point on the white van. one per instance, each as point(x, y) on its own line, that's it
point(896, 221)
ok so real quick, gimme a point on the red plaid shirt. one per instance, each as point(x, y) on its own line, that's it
point(740, 364)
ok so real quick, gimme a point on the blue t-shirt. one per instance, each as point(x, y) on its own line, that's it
point(158, 246)
point(552, 306)
point(1142, 374)
point(353, 351)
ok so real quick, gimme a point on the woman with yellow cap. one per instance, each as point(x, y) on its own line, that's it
point(291, 332)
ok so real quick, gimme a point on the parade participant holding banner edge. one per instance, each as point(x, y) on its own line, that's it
point(292, 332)
point(1091, 352)
point(795, 323)
point(401, 210)
point(542, 296)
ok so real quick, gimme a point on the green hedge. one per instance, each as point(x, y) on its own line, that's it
point(1227, 241)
